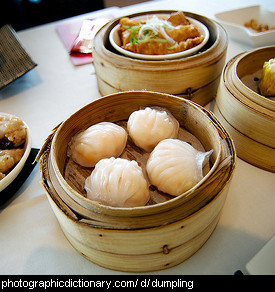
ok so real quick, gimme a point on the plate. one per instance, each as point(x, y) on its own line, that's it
point(4, 182)
point(234, 20)
point(263, 262)
point(115, 42)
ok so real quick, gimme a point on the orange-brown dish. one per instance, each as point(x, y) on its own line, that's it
point(159, 35)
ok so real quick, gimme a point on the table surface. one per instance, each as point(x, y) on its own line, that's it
point(31, 239)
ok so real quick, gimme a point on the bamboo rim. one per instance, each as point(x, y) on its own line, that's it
point(174, 76)
point(152, 208)
point(102, 36)
point(134, 221)
point(254, 101)
point(177, 240)
point(248, 149)
point(215, 205)
point(248, 116)
point(194, 199)
point(124, 256)
point(239, 68)
point(263, 118)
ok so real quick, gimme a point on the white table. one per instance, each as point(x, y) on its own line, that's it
point(31, 241)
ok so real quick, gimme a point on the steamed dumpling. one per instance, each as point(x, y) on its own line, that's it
point(267, 83)
point(174, 166)
point(147, 127)
point(117, 182)
point(102, 140)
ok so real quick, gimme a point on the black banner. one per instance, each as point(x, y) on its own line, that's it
point(111, 282)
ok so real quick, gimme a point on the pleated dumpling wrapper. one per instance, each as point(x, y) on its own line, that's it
point(117, 182)
point(102, 140)
point(175, 166)
point(147, 127)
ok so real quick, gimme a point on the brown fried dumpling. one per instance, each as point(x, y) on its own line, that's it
point(12, 131)
point(9, 157)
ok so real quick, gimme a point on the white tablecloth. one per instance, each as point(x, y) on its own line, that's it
point(31, 241)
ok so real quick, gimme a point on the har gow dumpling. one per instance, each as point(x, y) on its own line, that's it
point(174, 166)
point(102, 140)
point(147, 127)
point(117, 182)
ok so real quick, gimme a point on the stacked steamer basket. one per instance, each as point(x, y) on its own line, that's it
point(248, 116)
point(168, 229)
point(194, 77)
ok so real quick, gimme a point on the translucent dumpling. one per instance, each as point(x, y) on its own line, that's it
point(147, 127)
point(102, 140)
point(117, 182)
point(174, 166)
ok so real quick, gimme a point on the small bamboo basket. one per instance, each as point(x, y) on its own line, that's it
point(195, 77)
point(168, 229)
point(248, 116)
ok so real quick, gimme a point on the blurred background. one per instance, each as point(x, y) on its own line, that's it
point(21, 14)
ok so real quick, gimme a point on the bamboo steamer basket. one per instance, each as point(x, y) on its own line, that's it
point(248, 116)
point(116, 72)
point(167, 230)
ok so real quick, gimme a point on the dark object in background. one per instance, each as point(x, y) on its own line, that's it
point(14, 59)
point(21, 14)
